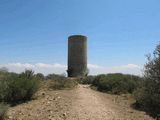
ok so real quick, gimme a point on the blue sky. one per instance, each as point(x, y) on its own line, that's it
point(120, 32)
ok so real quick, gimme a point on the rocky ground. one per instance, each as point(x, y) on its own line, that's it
point(81, 103)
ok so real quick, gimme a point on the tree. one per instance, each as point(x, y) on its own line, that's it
point(40, 76)
point(148, 96)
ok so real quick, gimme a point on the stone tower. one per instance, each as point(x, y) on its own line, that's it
point(77, 56)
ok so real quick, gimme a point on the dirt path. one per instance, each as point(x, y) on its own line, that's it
point(93, 105)
point(89, 106)
point(81, 103)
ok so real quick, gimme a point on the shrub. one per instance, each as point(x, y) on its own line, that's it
point(116, 83)
point(54, 76)
point(148, 96)
point(3, 74)
point(86, 80)
point(61, 82)
point(17, 88)
point(40, 76)
point(29, 74)
point(3, 109)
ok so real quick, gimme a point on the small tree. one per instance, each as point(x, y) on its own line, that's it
point(148, 96)
point(40, 76)
point(28, 73)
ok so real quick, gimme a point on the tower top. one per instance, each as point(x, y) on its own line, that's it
point(77, 36)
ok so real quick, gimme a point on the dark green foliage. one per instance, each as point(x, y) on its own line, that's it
point(86, 80)
point(116, 83)
point(148, 96)
point(3, 74)
point(3, 109)
point(40, 76)
point(17, 88)
point(61, 82)
point(54, 77)
point(29, 74)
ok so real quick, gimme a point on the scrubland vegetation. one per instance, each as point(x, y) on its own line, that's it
point(18, 88)
point(86, 80)
point(116, 83)
point(3, 109)
point(145, 89)
point(61, 82)
point(148, 95)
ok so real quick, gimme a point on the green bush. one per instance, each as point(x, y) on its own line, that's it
point(17, 88)
point(40, 76)
point(3, 74)
point(61, 82)
point(148, 95)
point(3, 109)
point(54, 76)
point(86, 80)
point(116, 83)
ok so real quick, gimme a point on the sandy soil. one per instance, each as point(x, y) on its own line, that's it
point(81, 103)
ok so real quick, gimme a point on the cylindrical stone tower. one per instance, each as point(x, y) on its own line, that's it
point(77, 56)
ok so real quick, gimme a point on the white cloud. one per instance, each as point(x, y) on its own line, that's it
point(60, 68)
point(129, 66)
point(26, 65)
point(126, 69)
point(90, 66)
point(38, 67)
point(50, 65)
